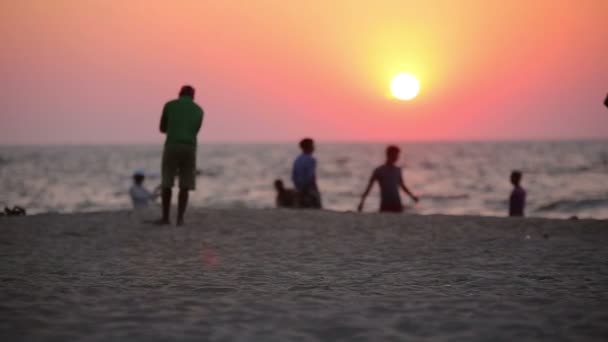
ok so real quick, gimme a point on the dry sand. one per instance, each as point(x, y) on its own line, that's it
point(273, 275)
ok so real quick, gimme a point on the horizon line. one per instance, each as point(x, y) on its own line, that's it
point(336, 141)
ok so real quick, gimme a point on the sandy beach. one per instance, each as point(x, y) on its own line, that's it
point(272, 275)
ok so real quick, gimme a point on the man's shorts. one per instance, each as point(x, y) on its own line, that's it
point(179, 160)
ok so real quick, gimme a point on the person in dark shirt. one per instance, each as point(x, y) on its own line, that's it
point(286, 198)
point(390, 179)
point(517, 201)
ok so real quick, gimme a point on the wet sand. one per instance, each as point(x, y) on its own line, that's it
point(271, 275)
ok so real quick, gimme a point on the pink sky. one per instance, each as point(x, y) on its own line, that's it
point(99, 71)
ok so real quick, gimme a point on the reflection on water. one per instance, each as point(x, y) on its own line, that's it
point(562, 178)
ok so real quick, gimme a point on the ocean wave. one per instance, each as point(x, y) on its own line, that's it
point(342, 161)
point(209, 172)
point(337, 174)
point(427, 165)
point(88, 178)
point(574, 205)
point(445, 197)
point(598, 167)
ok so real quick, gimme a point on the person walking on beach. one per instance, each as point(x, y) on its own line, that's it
point(517, 201)
point(304, 176)
point(390, 178)
point(181, 121)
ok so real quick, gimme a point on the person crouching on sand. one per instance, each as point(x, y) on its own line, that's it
point(390, 179)
point(517, 201)
point(140, 196)
point(286, 198)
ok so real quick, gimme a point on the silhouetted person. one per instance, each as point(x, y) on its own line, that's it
point(286, 198)
point(606, 101)
point(390, 179)
point(181, 121)
point(304, 176)
point(140, 196)
point(517, 201)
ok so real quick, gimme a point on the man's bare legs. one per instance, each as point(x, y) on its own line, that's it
point(166, 199)
point(182, 203)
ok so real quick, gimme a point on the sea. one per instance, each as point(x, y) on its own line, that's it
point(562, 178)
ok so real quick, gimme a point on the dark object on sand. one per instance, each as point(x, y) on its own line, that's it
point(286, 198)
point(546, 236)
point(606, 101)
point(16, 211)
point(309, 200)
point(574, 218)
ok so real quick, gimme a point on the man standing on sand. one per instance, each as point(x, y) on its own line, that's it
point(180, 122)
point(390, 179)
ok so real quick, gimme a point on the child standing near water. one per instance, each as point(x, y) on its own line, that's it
point(390, 179)
point(517, 201)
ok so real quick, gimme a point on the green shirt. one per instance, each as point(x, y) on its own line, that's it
point(181, 120)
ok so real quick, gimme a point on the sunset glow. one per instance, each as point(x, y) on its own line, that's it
point(98, 71)
point(405, 86)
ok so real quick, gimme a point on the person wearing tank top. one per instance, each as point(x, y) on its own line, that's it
point(389, 177)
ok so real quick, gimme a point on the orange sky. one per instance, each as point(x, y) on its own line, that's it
point(99, 71)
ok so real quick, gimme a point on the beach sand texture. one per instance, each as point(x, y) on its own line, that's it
point(273, 275)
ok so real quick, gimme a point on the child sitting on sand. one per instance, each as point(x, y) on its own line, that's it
point(286, 198)
point(390, 179)
point(517, 201)
point(140, 196)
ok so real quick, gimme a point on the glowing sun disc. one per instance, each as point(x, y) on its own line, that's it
point(405, 86)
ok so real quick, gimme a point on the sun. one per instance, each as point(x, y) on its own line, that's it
point(405, 86)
